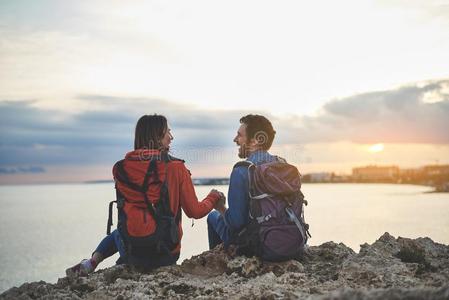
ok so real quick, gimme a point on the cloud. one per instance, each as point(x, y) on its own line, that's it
point(179, 115)
point(430, 8)
point(16, 170)
point(30, 135)
point(415, 113)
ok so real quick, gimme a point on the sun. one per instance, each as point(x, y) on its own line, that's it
point(376, 148)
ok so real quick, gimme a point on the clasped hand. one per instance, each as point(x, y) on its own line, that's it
point(220, 204)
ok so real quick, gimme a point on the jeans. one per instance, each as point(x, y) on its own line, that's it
point(217, 230)
point(113, 243)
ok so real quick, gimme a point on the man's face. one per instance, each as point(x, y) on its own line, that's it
point(241, 141)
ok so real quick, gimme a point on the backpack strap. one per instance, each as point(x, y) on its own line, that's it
point(281, 159)
point(249, 165)
point(122, 176)
point(164, 197)
point(254, 207)
point(152, 169)
point(178, 213)
point(293, 218)
point(164, 200)
point(109, 225)
point(168, 158)
point(242, 163)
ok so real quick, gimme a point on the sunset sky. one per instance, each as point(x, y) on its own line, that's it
point(345, 83)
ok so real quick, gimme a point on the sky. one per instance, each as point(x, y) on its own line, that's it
point(334, 77)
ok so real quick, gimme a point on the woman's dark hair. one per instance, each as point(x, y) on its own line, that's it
point(150, 129)
point(259, 128)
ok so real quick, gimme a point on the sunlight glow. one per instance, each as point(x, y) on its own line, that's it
point(376, 148)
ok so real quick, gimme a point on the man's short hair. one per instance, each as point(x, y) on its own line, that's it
point(259, 128)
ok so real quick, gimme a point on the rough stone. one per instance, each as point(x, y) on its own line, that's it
point(390, 268)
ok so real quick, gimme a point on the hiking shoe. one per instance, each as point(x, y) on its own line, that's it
point(82, 269)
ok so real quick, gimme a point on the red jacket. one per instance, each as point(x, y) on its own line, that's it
point(180, 186)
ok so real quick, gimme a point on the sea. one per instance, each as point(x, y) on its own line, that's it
point(46, 228)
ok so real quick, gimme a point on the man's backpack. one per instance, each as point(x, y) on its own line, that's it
point(276, 230)
point(148, 230)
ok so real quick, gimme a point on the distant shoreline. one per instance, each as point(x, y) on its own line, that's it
point(217, 181)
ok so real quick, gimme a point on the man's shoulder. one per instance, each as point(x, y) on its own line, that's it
point(240, 169)
point(242, 164)
point(265, 157)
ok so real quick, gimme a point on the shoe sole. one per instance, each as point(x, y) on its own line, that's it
point(72, 274)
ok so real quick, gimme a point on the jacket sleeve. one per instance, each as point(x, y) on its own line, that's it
point(189, 200)
point(237, 215)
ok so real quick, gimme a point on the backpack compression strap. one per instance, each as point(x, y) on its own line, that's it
point(122, 176)
point(172, 158)
point(152, 169)
point(164, 196)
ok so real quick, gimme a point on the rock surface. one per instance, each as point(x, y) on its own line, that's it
point(390, 268)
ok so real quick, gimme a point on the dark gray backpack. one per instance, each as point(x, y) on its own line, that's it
point(276, 230)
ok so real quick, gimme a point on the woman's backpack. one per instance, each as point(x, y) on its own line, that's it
point(276, 230)
point(148, 230)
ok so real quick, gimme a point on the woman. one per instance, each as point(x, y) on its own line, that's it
point(143, 215)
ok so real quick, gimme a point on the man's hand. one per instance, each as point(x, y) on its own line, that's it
point(220, 204)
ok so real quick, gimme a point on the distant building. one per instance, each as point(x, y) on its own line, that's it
point(435, 170)
point(210, 181)
point(320, 177)
point(341, 178)
point(410, 172)
point(375, 173)
point(410, 175)
point(437, 175)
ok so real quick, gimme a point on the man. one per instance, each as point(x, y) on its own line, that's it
point(254, 138)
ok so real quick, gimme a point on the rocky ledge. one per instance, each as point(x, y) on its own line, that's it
point(389, 268)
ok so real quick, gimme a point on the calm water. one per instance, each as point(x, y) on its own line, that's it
point(46, 228)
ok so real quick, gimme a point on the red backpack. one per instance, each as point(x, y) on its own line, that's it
point(147, 229)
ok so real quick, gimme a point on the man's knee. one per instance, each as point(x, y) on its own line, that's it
point(212, 218)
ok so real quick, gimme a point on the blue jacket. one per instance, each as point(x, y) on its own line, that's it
point(237, 214)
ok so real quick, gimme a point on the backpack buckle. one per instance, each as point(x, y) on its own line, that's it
point(262, 219)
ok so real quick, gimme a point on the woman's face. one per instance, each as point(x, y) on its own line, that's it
point(166, 140)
